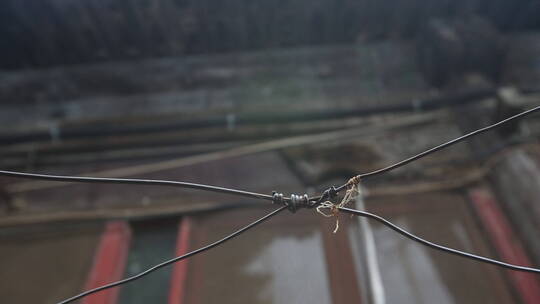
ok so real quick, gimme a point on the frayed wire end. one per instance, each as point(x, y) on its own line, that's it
point(350, 195)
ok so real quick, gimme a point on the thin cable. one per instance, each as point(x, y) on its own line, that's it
point(271, 145)
point(441, 146)
point(437, 246)
point(155, 182)
point(176, 259)
point(252, 194)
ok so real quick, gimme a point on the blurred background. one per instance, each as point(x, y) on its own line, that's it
point(293, 96)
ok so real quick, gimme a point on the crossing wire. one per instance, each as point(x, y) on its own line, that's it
point(174, 260)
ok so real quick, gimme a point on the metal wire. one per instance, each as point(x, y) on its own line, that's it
point(174, 260)
point(253, 194)
point(441, 146)
point(436, 246)
point(155, 182)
